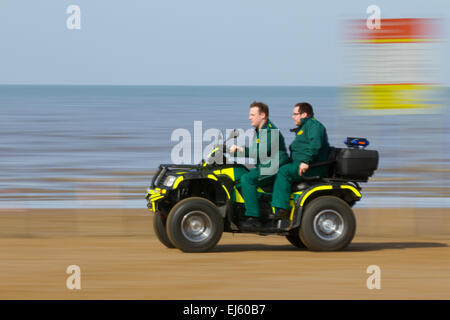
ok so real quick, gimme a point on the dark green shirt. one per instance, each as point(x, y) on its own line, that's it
point(310, 146)
point(264, 151)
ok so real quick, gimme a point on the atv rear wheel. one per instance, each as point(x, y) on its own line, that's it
point(328, 224)
point(194, 225)
point(294, 238)
point(159, 226)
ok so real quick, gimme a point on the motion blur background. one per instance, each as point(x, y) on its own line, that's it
point(86, 115)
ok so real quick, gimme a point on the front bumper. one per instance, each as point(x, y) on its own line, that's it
point(154, 196)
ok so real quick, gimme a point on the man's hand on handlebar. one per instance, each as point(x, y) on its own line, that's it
point(234, 147)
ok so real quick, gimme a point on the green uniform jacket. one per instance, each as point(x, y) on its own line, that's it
point(264, 150)
point(310, 146)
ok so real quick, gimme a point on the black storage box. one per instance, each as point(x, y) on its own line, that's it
point(357, 164)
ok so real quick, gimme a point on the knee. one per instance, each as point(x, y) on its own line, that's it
point(248, 179)
point(284, 170)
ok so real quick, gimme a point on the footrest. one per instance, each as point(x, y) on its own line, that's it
point(283, 224)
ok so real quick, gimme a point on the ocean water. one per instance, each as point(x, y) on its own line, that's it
point(97, 146)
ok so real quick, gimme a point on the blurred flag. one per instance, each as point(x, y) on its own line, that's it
point(394, 69)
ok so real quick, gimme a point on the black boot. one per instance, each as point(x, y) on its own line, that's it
point(281, 214)
point(250, 223)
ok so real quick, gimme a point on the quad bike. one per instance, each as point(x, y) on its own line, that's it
point(194, 204)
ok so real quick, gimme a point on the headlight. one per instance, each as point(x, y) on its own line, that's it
point(168, 182)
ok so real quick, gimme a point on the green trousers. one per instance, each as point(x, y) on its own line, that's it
point(286, 176)
point(249, 182)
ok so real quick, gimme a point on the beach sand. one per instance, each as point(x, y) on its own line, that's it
point(121, 258)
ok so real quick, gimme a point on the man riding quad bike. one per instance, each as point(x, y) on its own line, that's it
point(194, 204)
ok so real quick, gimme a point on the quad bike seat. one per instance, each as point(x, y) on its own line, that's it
point(299, 186)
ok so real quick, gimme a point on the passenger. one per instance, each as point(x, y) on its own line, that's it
point(310, 146)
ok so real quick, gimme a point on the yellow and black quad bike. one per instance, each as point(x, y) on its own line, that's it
point(194, 204)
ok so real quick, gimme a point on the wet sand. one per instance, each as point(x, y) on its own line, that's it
point(121, 258)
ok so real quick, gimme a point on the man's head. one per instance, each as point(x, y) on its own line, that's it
point(258, 114)
point(302, 110)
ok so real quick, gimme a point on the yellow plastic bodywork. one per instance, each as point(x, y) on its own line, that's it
point(228, 194)
point(210, 176)
point(329, 187)
point(228, 172)
point(314, 190)
point(239, 198)
point(292, 203)
point(355, 191)
point(177, 182)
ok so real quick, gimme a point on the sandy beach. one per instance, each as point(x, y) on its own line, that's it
point(121, 258)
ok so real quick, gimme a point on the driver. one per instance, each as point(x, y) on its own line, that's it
point(265, 152)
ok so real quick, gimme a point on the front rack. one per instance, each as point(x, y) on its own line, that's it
point(163, 168)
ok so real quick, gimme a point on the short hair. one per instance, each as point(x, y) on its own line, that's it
point(305, 107)
point(262, 107)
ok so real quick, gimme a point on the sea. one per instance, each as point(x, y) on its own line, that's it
point(98, 146)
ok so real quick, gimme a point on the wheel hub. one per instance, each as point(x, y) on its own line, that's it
point(328, 224)
point(196, 226)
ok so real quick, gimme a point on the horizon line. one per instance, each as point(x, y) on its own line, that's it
point(160, 85)
point(188, 85)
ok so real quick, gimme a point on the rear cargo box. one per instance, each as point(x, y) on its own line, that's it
point(357, 164)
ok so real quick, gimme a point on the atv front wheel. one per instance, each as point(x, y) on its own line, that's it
point(159, 226)
point(194, 225)
point(328, 224)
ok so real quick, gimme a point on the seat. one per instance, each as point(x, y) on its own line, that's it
point(300, 186)
point(267, 189)
point(294, 188)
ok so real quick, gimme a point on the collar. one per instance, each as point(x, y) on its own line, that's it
point(297, 129)
point(264, 125)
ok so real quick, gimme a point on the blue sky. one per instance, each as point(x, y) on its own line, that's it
point(187, 42)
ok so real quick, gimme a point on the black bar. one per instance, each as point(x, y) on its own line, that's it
point(320, 164)
point(223, 309)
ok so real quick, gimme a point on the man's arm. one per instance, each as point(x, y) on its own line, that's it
point(315, 137)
